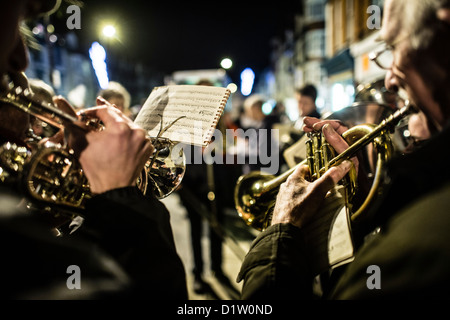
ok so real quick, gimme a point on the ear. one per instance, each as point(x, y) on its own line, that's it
point(443, 14)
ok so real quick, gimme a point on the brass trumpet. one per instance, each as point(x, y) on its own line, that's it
point(255, 193)
point(50, 173)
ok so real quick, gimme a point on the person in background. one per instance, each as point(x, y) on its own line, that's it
point(117, 95)
point(254, 119)
point(306, 99)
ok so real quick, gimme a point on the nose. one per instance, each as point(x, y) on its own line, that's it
point(390, 82)
point(18, 60)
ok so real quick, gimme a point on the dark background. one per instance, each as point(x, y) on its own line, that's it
point(186, 35)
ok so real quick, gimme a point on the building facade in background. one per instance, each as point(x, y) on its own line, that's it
point(62, 62)
point(329, 48)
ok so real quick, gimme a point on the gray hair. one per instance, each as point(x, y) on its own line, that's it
point(420, 19)
point(428, 37)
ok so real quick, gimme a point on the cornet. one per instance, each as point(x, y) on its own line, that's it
point(49, 174)
point(255, 193)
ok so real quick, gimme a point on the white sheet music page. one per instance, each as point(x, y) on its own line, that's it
point(195, 110)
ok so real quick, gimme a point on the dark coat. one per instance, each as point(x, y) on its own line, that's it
point(124, 250)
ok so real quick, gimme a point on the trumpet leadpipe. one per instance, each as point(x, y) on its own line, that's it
point(47, 112)
point(386, 125)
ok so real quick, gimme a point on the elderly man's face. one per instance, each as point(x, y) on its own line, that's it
point(404, 75)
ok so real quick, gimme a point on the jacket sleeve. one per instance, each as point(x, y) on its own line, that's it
point(135, 230)
point(276, 266)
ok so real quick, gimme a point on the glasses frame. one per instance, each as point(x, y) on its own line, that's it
point(374, 56)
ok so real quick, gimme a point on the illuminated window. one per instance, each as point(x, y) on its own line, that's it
point(315, 10)
point(315, 43)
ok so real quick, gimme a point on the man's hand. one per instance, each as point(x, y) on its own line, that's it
point(113, 157)
point(332, 130)
point(298, 199)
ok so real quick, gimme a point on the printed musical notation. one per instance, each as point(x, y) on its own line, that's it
point(196, 110)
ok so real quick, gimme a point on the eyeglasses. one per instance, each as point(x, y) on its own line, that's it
point(383, 58)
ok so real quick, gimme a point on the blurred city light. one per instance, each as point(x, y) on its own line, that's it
point(291, 105)
point(38, 29)
point(53, 38)
point(98, 57)
point(247, 80)
point(342, 96)
point(226, 63)
point(50, 28)
point(268, 107)
point(109, 31)
point(232, 87)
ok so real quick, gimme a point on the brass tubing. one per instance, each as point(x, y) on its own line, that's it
point(386, 124)
point(347, 154)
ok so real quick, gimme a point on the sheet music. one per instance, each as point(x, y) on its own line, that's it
point(340, 244)
point(198, 109)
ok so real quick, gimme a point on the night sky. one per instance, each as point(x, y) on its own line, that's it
point(174, 35)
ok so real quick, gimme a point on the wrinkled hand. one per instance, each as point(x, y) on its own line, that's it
point(113, 157)
point(298, 199)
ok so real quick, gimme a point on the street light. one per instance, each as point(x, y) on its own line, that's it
point(226, 63)
point(109, 31)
